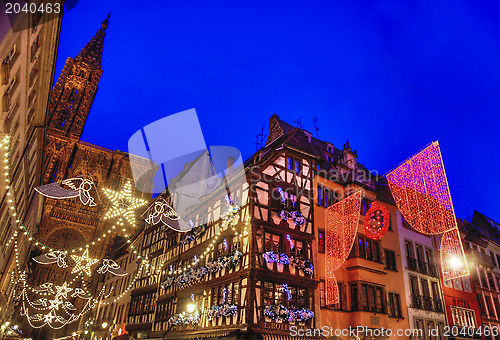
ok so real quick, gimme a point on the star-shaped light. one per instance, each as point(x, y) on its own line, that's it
point(83, 263)
point(49, 317)
point(63, 290)
point(54, 304)
point(123, 203)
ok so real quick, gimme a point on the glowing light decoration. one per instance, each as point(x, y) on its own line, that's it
point(453, 262)
point(79, 187)
point(420, 188)
point(111, 266)
point(421, 192)
point(161, 211)
point(56, 256)
point(376, 221)
point(342, 221)
point(123, 204)
point(83, 263)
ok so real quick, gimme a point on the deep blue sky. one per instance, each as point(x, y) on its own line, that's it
point(391, 76)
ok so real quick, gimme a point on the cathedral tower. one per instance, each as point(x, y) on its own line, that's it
point(74, 92)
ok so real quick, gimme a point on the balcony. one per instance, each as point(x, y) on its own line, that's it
point(427, 303)
point(422, 267)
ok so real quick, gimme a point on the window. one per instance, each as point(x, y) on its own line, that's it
point(293, 164)
point(368, 249)
point(342, 305)
point(320, 195)
point(274, 294)
point(463, 317)
point(321, 241)
point(405, 223)
point(390, 260)
point(365, 206)
point(395, 305)
point(480, 302)
point(371, 298)
point(272, 242)
point(354, 297)
point(489, 306)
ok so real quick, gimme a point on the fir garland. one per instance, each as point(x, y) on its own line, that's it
point(305, 265)
point(197, 274)
point(185, 319)
point(281, 313)
point(225, 309)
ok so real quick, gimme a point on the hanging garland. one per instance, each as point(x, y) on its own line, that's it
point(296, 216)
point(224, 309)
point(342, 221)
point(195, 233)
point(197, 274)
point(421, 192)
point(185, 318)
point(281, 313)
point(376, 221)
point(275, 257)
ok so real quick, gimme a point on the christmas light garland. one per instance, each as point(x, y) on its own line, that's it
point(342, 220)
point(420, 189)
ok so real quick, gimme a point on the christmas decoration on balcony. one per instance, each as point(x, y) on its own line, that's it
point(452, 256)
point(81, 187)
point(123, 204)
point(161, 211)
point(284, 287)
point(111, 266)
point(195, 233)
point(420, 188)
point(226, 308)
point(376, 221)
point(305, 265)
point(196, 274)
point(295, 215)
point(83, 263)
point(56, 256)
point(185, 318)
point(342, 221)
point(281, 313)
point(276, 257)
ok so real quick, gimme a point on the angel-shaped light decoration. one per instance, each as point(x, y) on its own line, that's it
point(56, 256)
point(80, 293)
point(111, 266)
point(161, 211)
point(47, 287)
point(79, 187)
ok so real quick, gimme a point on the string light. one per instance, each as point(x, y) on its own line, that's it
point(342, 221)
point(83, 263)
point(123, 204)
point(420, 189)
point(453, 261)
point(376, 221)
point(421, 192)
point(129, 287)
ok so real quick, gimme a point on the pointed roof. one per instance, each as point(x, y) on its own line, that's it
point(92, 52)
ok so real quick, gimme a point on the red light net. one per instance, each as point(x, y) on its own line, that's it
point(342, 221)
point(420, 189)
point(376, 221)
point(453, 262)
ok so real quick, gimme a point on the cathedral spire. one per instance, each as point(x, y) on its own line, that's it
point(74, 92)
point(92, 52)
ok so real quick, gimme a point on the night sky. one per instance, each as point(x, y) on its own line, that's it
point(391, 76)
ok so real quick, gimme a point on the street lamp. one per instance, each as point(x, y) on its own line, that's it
point(104, 325)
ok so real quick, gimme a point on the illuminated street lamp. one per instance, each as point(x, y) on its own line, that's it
point(104, 325)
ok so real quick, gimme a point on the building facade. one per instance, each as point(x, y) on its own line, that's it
point(28, 49)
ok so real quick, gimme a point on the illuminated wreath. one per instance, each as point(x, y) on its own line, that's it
point(376, 221)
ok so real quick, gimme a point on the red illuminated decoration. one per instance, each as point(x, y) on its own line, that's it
point(342, 221)
point(376, 221)
point(453, 262)
point(420, 188)
point(421, 192)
